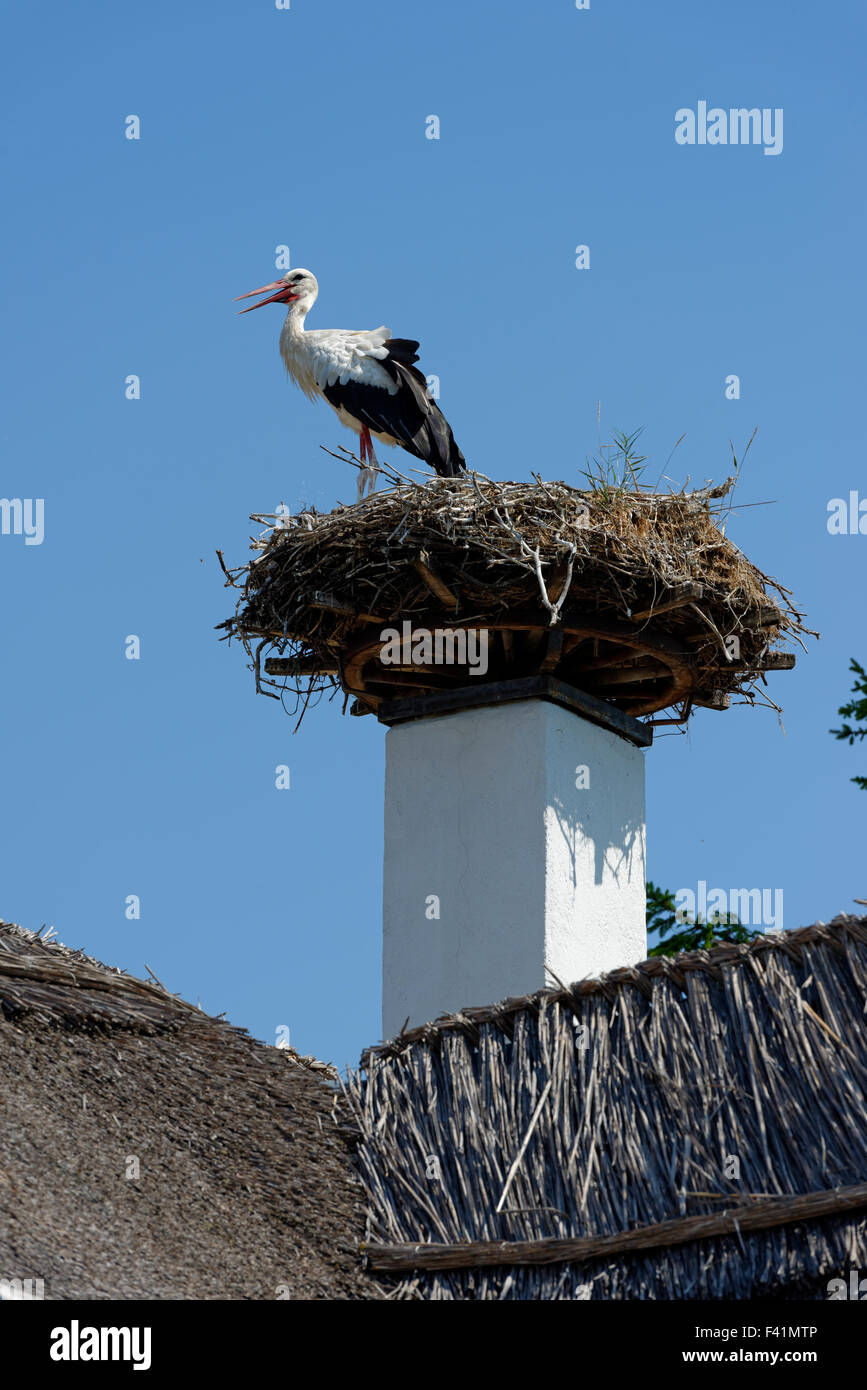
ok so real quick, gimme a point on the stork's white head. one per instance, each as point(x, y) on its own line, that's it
point(297, 288)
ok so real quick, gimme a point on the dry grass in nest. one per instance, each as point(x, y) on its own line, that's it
point(597, 564)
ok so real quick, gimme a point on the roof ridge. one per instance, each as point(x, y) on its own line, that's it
point(53, 962)
point(25, 957)
point(642, 976)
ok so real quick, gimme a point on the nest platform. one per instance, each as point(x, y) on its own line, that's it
point(638, 599)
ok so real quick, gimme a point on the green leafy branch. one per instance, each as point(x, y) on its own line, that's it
point(855, 709)
point(695, 935)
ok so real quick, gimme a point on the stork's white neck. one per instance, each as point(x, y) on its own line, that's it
point(293, 324)
point(295, 346)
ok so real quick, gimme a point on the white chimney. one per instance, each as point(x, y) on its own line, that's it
point(514, 845)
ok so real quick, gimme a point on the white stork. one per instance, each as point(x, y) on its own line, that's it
point(366, 376)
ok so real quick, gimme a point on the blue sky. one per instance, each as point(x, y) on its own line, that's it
point(306, 127)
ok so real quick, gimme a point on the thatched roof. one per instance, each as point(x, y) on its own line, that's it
point(636, 597)
point(607, 1117)
point(246, 1187)
point(600, 1116)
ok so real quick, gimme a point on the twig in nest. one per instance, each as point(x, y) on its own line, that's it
point(531, 553)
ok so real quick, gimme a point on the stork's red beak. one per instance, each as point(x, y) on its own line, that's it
point(284, 295)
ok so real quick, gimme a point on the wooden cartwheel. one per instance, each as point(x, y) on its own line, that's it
point(640, 670)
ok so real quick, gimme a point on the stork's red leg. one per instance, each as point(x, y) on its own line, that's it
point(365, 449)
point(372, 463)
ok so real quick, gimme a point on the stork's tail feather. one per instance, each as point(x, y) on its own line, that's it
point(445, 458)
point(434, 442)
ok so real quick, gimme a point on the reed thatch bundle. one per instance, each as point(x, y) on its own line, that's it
point(148, 1150)
point(599, 564)
point(682, 1088)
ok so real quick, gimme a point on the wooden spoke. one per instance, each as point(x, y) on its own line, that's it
point(640, 669)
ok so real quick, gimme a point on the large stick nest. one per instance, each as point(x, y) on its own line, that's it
point(637, 597)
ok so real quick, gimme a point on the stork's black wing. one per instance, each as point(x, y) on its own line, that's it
point(410, 416)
